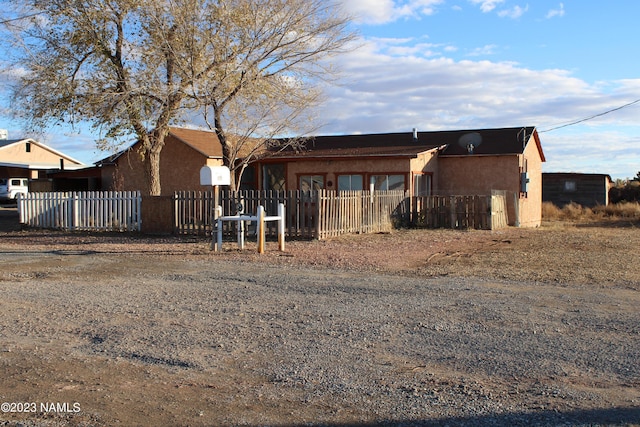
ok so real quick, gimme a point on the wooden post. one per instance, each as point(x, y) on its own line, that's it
point(216, 245)
point(281, 226)
point(452, 203)
point(241, 235)
point(261, 231)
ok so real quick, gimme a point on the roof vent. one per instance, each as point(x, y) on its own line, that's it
point(415, 134)
point(4, 134)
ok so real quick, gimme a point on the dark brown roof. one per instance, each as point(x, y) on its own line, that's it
point(575, 175)
point(370, 145)
point(205, 142)
point(454, 143)
point(489, 141)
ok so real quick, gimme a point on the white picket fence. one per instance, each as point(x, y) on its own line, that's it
point(82, 211)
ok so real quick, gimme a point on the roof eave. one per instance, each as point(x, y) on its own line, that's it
point(307, 155)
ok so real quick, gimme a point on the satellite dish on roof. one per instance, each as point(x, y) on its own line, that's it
point(470, 141)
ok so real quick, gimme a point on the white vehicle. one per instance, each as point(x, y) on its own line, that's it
point(11, 187)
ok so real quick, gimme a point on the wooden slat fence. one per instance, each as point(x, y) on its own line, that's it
point(485, 212)
point(193, 210)
point(323, 214)
point(82, 211)
point(344, 212)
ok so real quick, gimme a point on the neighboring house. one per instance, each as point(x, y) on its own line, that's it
point(27, 158)
point(465, 162)
point(586, 189)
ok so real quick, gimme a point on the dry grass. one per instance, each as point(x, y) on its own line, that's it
point(575, 212)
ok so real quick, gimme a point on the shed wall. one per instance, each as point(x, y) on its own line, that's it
point(583, 189)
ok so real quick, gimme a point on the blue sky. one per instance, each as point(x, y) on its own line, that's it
point(466, 64)
point(460, 64)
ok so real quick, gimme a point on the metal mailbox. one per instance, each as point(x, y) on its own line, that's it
point(215, 175)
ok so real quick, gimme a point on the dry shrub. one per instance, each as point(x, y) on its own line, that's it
point(576, 212)
point(625, 210)
point(550, 212)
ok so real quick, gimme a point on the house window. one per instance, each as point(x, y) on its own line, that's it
point(387, 182)
point(273, 177)
point(350, 182)
point(248, 180)
point(28, 147)
point(422, 185)
point(311, 182)
point(569, 186)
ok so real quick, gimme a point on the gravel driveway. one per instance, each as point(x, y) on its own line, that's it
point(155, 337)
point(417, 327)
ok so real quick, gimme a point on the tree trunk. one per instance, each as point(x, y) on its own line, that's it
point(228, 159)
point(152, 166)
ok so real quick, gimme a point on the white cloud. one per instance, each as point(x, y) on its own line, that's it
point(615, 154)
point(484, 50)
point(487, 5)
point(385, 11)
point(556, 12)
point(513, 13)
point(388, 87)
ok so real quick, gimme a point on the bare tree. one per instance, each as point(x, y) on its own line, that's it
point(136, 67)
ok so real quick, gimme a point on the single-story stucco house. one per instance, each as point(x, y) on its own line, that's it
point(462, 162)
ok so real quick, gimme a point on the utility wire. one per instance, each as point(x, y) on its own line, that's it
point(6, 21)
point(591, 117)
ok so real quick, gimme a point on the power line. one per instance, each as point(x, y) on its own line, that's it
point(6, 21)
point(591, 117)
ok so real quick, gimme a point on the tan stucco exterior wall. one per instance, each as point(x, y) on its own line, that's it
point(179, 169)
point(471, 175)
point(425, 163)
point(331, 168)
point(36, 156)
point(531, 205)
point(479, 175)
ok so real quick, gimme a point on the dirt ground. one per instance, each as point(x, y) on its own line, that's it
point(567, 281)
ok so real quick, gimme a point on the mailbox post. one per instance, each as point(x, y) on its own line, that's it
point(215, 176)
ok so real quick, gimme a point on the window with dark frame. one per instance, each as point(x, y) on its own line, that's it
point(422, 185)
point(350, 182)
point(387, 182)
point(248, 181)
point(311, 182)
point(274, 177)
